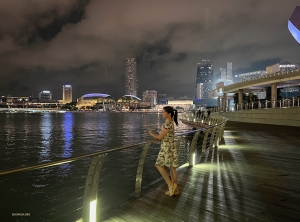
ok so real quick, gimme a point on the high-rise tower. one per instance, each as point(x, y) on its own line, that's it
point(203, 80)
point(130, 77)
point(223, 74)
point(67, 93)
point(229, 73)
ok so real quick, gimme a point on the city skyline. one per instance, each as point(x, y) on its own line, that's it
point(49, 44)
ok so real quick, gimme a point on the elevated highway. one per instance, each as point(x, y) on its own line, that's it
point(275, 81)
point(282, 80)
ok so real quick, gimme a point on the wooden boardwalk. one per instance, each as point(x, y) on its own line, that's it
point(254, 175)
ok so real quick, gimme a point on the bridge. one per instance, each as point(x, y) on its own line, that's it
point(275, 81)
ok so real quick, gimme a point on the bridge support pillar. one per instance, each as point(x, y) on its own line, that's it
point(241, 99)
point(228, 104)
point(274, 95)
point(219, 103)
point(224, 102)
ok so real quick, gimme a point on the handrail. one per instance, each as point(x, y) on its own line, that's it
point(67, 160)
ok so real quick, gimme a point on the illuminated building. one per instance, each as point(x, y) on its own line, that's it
point(96, 101)
point(130, 101)
point(130, 77)
point(251, 75)
point(229, 73)
point(203, 80)
point(223, 74)
point(67, 93)
point(162, 98)
point(150, 96)
point(45, 96)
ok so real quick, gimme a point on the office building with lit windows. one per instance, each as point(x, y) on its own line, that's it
point(204, 79)
point(150, 96)
point(67, 93)
point(45, 96)
point(130, 77)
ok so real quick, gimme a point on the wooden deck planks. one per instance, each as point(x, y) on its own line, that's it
point(253, 176)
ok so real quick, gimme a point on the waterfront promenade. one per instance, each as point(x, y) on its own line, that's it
point(252, 176)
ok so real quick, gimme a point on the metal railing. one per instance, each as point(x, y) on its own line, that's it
point(262, 104)
point(191, 146)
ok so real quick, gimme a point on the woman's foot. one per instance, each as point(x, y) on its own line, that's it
point(171, 190)
point(174, 186)
point(176, 192)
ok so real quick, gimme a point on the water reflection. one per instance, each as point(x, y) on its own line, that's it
point(67, 125)
point(46, 128)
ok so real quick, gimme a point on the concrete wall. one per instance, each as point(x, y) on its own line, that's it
point(277, 116)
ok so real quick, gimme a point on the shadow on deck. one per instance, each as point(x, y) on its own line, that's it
point(252, 176)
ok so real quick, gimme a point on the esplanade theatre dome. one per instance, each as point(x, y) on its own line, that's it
point(95, 99)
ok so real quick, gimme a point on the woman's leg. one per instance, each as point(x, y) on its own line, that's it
point(164, 174)
point(173, 174)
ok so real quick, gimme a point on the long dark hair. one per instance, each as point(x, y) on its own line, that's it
point(170, 109)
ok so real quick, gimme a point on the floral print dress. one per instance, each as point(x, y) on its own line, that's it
point(167, 155)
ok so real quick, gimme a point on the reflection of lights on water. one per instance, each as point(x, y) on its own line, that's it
point(68, 123)
point(46, 127)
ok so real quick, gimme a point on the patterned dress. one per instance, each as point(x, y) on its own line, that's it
point(167, 155)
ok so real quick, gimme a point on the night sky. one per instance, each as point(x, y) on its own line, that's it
point(45, 44)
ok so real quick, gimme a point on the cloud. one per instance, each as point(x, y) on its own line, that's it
point(168, 38)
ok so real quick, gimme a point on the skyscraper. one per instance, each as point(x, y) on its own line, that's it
point(203, 80)
point(130, 77)
point(229, 73)
point(67, 93)
point(223, 74)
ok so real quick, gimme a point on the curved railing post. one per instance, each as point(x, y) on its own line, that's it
point(193, 149)
point(205, 139)
point(213, 137)
point(178, 142)
point(140, 169)
point(91, 189)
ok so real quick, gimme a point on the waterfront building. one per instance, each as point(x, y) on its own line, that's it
point(16, 99)
point(45, 96)
point(67, 93)
point(204, 79)
point(180, 105)
point(162, 98)
point(284, 67)
point(130, 77)
point(150, 96)
point(96, 101)
point(276, 68)
point(130, 101)
point(251, 75)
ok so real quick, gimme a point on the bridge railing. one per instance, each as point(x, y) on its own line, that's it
point(90, 186)
point(265, 104)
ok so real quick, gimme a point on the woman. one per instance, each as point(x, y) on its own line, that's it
point(167, 155)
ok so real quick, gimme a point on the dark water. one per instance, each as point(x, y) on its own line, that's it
point(55, 193)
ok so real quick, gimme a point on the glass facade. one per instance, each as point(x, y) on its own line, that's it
point(67, 93)
point(204, 79)
point(130, 77)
